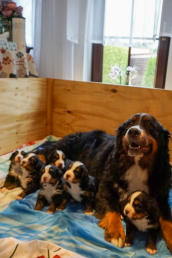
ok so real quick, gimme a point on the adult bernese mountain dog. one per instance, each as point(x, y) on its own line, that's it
point(137, 158)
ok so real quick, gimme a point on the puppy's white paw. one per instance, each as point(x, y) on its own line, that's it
point(89, 212)
point(118, 242)
point(151, 251)
point(19, 197)
point(127, 244)
point(3, 190)
point(49, 212)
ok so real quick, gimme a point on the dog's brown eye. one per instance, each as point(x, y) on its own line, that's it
point(77, 169)
point(57, 156)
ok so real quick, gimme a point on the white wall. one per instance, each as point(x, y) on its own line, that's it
point(166, 31)
point(168, 82)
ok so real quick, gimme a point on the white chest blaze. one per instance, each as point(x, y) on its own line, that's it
point(75, 191)
point(49, 190)
point(142, 224)
point(15, 170)
point(136, 178)
point(24, 178)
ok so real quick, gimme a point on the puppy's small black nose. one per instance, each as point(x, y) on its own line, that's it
point(134, 132)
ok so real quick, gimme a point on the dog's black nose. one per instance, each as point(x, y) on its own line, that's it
point(134, 132)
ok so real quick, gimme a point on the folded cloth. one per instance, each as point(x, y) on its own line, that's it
point(11, 247)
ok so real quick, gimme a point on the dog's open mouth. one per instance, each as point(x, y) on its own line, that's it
point(137, 148)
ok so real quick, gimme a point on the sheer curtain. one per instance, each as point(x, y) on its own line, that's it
point(63, 35)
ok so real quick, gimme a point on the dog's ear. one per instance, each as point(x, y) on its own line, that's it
point(68, 163)
point(33, 160)
point(13, 155)
point(23, 153)
point(84, 172)
point(153, 209)
point(59, 172)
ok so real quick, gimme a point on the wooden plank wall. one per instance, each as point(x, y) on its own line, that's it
point(32, 108)
point(23, 112)
point(80, 106)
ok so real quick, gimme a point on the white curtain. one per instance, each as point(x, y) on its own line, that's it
point(127, 21)
point(166, 19)
point(63, 35)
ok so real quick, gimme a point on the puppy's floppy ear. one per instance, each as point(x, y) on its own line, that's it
point(59, 172)
point(33, 160)
point(153, 209)
point(68, 163)
point(23, 153)
point(42, 170)
point(13, 155)
point(84, 171)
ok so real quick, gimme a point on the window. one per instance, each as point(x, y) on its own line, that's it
point(130, 41)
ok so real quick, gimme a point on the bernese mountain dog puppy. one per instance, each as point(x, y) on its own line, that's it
point(12, 179)
point(52, 192)
point(136, 159)
point(141, 212)
point(31, 167)
point(47, 155)
point(80, 186)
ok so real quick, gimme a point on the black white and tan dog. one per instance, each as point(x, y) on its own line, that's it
point(12, 179)
point(51, 156)
point(31, 167)
point(81, 186)
point(136, 159)
point(52, 192)
point(141, 212)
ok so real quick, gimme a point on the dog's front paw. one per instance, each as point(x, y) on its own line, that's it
point(19, 197)
point(151, 251)
point(119, 242)
point(3, 189)
point(127, 244)
point(114, 231)
point(166, 227)
point(89, 213)
point(49, 212)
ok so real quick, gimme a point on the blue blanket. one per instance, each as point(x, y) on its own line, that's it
point(70, 229)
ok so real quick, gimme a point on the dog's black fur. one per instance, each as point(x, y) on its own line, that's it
point(80, 186)
point(141, 212)
point(52, 191)
point(108, 158)
point(12, 179)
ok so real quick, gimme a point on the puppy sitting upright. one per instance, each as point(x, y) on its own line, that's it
point(141, 213)
point(31, 167)
point(12, 179)
point(52, 191)
point(80, 185)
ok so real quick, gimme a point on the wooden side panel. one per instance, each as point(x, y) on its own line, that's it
point(79, 106)
point(23, 115)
